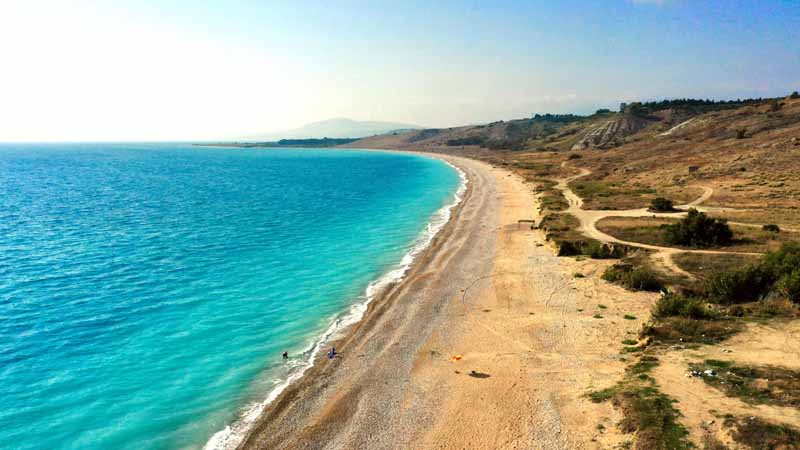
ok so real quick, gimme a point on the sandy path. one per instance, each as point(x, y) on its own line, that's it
point(495, 294)
point(701, 404)
point(662, 256)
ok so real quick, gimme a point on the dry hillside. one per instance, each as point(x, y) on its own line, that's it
point(716, 364)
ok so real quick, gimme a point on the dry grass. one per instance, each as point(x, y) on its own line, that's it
point(680, 329)
point(598, 194)
point(771, 385)
point(647, 230)
point(646, 411)
point(758, 434)
point(703, 265)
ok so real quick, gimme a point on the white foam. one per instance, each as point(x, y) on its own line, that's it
point(232, 435)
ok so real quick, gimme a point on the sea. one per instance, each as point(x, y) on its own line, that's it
point(148, 291)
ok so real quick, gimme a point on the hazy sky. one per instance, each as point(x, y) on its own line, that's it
point(158, 70)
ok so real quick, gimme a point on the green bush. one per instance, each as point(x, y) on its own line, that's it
point(598, 250)
point(771, 228)
point(635, 279)
point(674, 305)
point(784, 260)
point(784, 267)
point(778, 273)
point(568, 248)
point(661, 204)
point(795, 95)
point(739, 286)
point(698, 230)
point(789, 286)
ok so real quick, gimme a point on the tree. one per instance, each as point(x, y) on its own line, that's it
point(661, 204)
point(698, 230)
point(795, 95)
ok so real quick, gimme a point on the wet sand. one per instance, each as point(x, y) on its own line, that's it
point(490, 291)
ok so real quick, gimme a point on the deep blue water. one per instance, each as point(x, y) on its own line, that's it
point(147, 291)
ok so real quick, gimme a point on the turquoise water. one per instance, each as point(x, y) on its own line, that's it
point(148, 291)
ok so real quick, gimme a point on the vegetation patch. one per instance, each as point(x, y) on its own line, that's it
point(681, 329)
point(598, 250)
point(557, 224)
point(560, 228)
point(704, 265)
point(698, 230)
point(753, 384)
point(646, 411)
point(553, 200)
point(655, 231)
point(778, 275)
point(759, 434)
point(661, 204)
point(633, 278)
point(676, 305)
point(598, 194)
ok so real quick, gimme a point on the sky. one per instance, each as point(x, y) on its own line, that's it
point(125, 70)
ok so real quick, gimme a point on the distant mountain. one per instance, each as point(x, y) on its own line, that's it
point(335, 128)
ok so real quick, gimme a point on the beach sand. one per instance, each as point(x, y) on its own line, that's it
point(493, 292)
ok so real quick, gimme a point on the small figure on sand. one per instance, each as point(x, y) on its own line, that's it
point(285, 355)
point(332, 353)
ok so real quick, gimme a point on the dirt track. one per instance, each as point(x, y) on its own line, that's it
point(662, 256)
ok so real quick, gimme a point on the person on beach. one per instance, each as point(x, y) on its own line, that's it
point(285, 355)
point(332, 353)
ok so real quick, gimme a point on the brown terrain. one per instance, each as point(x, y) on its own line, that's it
point(494, 342)
point(595, 178)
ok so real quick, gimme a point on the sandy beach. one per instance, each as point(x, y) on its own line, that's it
point(533, 337)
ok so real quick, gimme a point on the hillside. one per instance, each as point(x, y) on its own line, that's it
point(715, 363)
point(745, 151)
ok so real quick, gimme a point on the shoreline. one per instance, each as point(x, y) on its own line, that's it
point(529, 333)
point(341, 326)
point(317, 375)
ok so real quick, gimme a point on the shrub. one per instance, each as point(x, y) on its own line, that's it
point(739, 286)
point(598, 250)
point(784, 260)
point(643, 279)
point(661, 204)
point(789, 286)
point(778, 273)
point(681, 329)
point(470, 140)
point(784, 267)
point(795, 95)
point(698, 230)
point(674, 305)
point(568, 248)
point(771, 228)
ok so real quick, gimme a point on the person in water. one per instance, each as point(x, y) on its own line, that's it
point(285, 355)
